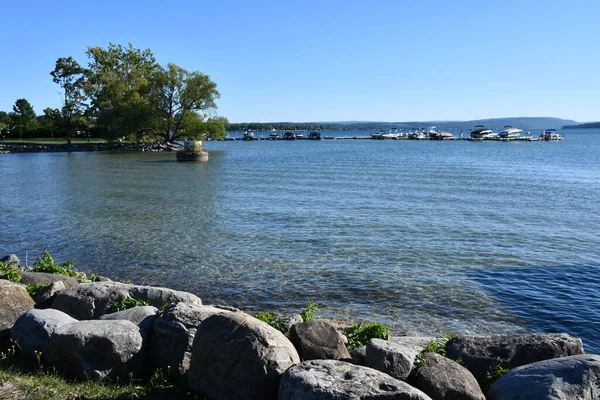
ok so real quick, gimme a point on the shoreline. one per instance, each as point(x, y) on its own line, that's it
point(11, 148)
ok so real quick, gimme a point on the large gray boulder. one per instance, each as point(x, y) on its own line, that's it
point(236, 356)
point(97, 350)
point(46, 278)
point(317, 340)
point(394, 358)
point(91, 300)
point(566, 378)
point(142, 316)
point(174, 333)
point(481, 353)
point(444, 379)
point(339, 380)
point(14, 301)
point(33, 328)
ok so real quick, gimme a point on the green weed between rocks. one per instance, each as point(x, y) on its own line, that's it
point(358, 335)
point(34, 288)
point(125, 304)
point(310, 312)
point(8, 272)
point(270, 319)
point(437, 346)
point(46, 263)
point(492, 375)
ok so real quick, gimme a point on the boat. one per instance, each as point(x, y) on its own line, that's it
point(274, 135)
point(391, 134)
point(289, 135)
point(299, 135)
point(249, 135)
point(378, 135)
point(481, 132)
point(314, 135)
point(550, 135)
point(509, 132)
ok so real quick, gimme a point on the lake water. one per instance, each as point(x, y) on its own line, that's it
point(438, 237)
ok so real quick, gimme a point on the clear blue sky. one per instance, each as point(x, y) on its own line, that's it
point(331, 60)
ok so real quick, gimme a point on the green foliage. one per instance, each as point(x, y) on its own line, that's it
point(23, 116)
point(46, 263)
point(494, 373)
point(162, 309)
point(34, 289)
point(71, 77)
point(270, 319)
point(8, 272)
point(310, 312)
point(125, 304)
point(358, 335)
point(437, 346)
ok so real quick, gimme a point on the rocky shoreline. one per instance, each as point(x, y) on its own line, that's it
point(222, 352)
point(7, 148)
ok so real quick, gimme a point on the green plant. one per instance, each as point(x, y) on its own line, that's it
point(94, 277)
point(125, 304)
point(34, 289)
point(163, 308)
point(437, 346)
point(310, 312)
point(46, 263)
point(8, 272)
point(358, 334)
point(270, 319)
point(494, 373)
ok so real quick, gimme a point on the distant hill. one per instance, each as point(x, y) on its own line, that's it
point(589, 125)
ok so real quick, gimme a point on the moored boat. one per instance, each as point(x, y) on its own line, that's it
point(509, 132)
point(481, 132)
point(314, 135)
point(249, 135)
point(550, 135)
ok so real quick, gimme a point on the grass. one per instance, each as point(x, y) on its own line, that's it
point(23, 377)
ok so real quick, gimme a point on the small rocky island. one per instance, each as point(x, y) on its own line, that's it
point(97, 329)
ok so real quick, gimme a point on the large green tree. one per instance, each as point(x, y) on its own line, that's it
point(118, 84)
point(71, 77)
point(23, 117)
point(181, 103)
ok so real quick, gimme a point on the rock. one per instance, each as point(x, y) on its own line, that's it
point(142, 316)
point(14, 301)
point(359, 356)
point(33, 328)
point(236, 356)
point(565, 378)
point(332, 379)
point(317, 340)
point(442, 379)
point(174, 333)
point(481, 353)
point(45, 278)
point(44, 298)
point(91, 300)
point(96, 350)
point(11, 259)
point(288, 320)
point(395, 359)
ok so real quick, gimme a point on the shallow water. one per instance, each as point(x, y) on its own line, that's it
point(475, 237)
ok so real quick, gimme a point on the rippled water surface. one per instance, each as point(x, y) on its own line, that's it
point(432, 236)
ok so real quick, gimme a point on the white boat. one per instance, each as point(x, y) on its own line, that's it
point(481, 132)
point(249, 135)
point(509, 132)
point(550, 135)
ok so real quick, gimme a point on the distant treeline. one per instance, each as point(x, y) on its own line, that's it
point(589, 125)
point(314, 126)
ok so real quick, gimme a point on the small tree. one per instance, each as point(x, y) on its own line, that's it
point(179, 98)
point(23, 117)
point(71, 78)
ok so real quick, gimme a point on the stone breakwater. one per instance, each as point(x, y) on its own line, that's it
point(225, 353)
point(6, 148)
